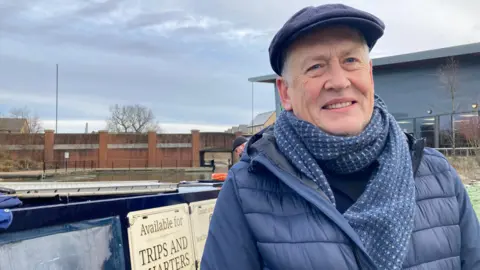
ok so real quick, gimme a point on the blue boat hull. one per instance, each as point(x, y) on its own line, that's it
point(91, 230)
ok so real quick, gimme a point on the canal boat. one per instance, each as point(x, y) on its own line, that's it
point(105, 225)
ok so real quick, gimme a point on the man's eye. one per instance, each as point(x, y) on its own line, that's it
point(351, 60)
point(317, 66)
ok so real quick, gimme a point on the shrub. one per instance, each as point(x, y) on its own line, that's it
point(468, 167)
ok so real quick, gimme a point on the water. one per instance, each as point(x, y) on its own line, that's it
point(163, 176)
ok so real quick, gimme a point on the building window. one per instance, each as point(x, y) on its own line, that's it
point(445, 131)
point(425, 128)
point(407, 125)
point(466, 129)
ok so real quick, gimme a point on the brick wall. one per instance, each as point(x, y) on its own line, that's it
point(105, 150)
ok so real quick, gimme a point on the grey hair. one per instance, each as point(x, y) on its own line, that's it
point(284, 73)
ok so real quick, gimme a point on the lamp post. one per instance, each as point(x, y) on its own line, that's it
point(56, 104)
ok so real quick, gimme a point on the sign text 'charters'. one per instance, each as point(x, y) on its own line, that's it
point(176, 249)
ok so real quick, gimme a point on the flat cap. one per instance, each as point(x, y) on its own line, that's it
point(238, 141)
point(309, 18)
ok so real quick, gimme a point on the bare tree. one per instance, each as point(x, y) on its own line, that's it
point(470, 128)
point(131, 119)
point(33, 121)
point(448, 74)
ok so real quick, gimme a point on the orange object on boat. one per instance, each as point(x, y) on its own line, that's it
point(219, 176)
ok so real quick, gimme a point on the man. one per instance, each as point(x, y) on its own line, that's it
point(336, 184)
point(238, 145)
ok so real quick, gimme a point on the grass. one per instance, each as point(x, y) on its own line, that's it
point(474, 192)
point(469, 170)
point(467, 167)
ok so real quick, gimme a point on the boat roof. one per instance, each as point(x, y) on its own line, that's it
point(51, 189)
point(36, 193)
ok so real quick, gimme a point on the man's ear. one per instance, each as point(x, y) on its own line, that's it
point(282, 88)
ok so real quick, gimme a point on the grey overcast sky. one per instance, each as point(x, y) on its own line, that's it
point(189, 60)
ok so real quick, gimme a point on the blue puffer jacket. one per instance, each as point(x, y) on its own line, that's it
point(267, 216)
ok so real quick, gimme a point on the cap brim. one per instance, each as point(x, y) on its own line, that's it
point(369, 29)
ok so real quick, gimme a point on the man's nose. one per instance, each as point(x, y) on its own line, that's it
point(337, 77)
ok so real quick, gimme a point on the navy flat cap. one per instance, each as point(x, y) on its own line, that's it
point(310, 18)
point(238, 141)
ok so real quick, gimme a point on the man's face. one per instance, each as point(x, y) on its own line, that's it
point(239, 149)
point(328, 81)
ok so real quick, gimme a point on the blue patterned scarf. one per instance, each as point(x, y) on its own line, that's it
point(383, 216)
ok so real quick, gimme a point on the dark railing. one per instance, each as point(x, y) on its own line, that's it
point(70, 165)
point(459, 151)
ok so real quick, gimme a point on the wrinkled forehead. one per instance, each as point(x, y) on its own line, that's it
point(333, 36)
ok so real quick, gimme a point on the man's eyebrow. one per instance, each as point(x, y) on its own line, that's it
point(350, 51)
point(326, 57)
point(318, 57)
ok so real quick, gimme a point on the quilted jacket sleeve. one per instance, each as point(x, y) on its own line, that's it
point(469, 226)
point(230, 243)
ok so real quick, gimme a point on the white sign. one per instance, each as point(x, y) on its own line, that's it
point(201, 213)
point(67, 155)
point(161, 239)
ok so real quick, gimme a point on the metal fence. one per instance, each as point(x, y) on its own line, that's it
point(459, 151)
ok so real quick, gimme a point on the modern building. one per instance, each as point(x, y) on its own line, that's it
point(261, 121)
point(418, 87)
